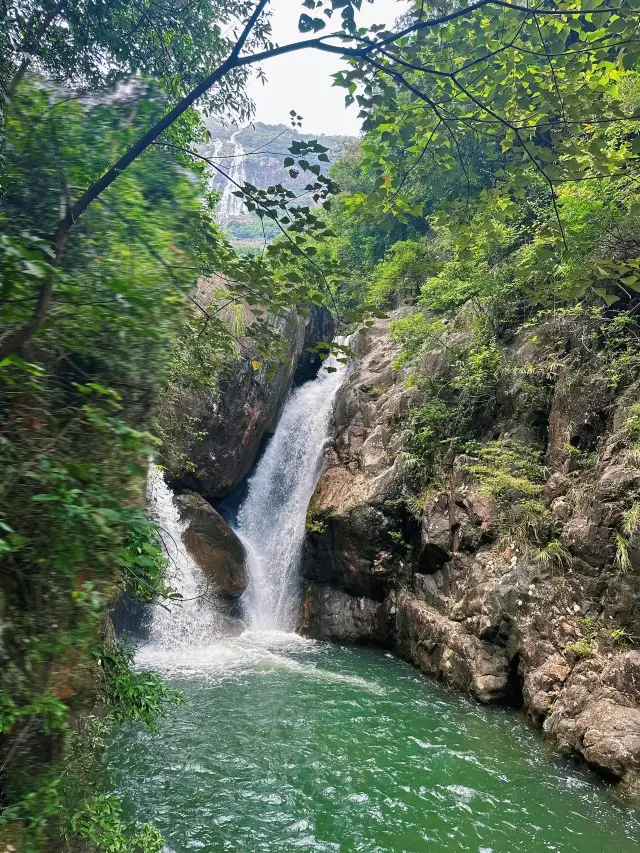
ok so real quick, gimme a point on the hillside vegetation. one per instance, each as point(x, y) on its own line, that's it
point(495, 189)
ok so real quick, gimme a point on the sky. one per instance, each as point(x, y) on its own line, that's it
point(301, 81)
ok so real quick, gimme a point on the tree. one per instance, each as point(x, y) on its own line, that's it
point(454, 68)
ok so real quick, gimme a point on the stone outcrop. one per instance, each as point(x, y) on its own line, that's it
point(229, 425)
point(213, 545)
point(439, 585)
point(331, 614)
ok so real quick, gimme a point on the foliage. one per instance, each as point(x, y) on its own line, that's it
point(430, 435)
point(74, 437)
point(398, 277)
point(622, 559)
point(511, 474)
point(100, 823)
point(582, 648)
point(498, 167)
point(632, 423)
point(507, 470)
point(456, 404)
point(131, 695)
point(314, 522)
point(554, 555)
point(415, 332)
point(176, 45)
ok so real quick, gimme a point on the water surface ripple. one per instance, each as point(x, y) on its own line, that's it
point(288, 745)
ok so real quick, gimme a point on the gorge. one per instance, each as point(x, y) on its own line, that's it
point(290, 743)
point(319, 453)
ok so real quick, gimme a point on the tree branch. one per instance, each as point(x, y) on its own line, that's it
point(18, 337)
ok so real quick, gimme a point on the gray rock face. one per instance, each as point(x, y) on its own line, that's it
point(597, 715)
point(465, 606)
point(232, 423)
point(443, 649)
point(331, 614)
point(213, 545)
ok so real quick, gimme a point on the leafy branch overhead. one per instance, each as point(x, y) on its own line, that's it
point(533, 79)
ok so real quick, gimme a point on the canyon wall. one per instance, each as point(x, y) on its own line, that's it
point(436, 575)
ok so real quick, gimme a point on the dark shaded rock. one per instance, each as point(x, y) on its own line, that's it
point(353, 553)
point(319, 329)
point(590, 536)
point(232, 423)
point(213, 545)
point(330, 614)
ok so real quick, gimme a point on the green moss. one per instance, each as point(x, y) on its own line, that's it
point(314, 523)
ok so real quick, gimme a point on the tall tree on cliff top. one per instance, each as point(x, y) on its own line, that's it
point(531, 76)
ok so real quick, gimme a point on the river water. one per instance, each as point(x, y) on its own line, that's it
point(291, 745)
point(285, 744)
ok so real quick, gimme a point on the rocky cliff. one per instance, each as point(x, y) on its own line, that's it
point(255, 155)
point(514, 574)
point(229, 423)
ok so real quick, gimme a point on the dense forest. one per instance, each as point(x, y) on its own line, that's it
point(494, 189)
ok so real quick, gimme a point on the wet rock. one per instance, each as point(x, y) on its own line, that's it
point(319, 328)
point(353, 553)
point(213, 545)
point(330, 614)
point(230, 424)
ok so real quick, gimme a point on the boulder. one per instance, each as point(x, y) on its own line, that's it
point(213, 545)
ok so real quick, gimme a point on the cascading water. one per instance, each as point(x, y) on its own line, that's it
point(194, 632)
point(271, 521)
point(180, 627)
point(230, 205)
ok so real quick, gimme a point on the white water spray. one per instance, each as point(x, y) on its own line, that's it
point(194, 634)
point(230, 205)
point(194, 620)
point(271, 521)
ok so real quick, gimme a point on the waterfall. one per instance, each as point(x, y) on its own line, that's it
point(195, 632)
point(194, 621)
point(230, 205)
point(271, 521)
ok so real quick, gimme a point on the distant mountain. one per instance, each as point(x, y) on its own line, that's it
point(255, 154)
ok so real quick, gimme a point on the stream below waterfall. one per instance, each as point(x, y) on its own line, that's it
point(286, 744)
